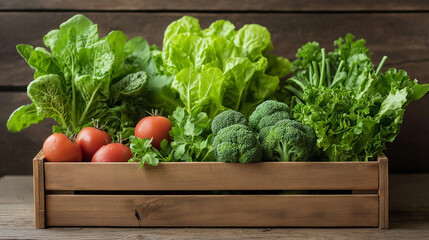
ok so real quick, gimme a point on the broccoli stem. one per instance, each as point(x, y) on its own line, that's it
point(283, 152)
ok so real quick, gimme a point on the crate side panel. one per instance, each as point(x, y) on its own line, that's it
point(383, 193)
point(213, 176)
point(39, 191)
point(213, 210)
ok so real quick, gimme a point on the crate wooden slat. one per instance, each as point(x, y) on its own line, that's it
point(213, 210)
point(213, 176)
point(73, 194)
point(383, 192)
point(39, 190)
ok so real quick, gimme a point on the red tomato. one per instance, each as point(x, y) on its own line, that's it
point(90, 140)
point(113, 152)
point(156, 127)
point(59, 148)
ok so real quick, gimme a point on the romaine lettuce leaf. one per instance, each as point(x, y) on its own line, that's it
point(22, 117)
point(84, 78)
point(240, 58)
point(200, 90)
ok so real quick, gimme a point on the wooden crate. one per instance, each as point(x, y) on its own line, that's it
point(175, 194)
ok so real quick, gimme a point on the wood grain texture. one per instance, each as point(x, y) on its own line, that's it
point(409, 219)
point(212, 211)
point(39, 191)
point(383, 192)
point(221, 5)
point(182, 176)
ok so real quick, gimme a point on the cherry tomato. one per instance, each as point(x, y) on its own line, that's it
point(90, 140)
point(156, 127)
point(59, 148)
point(113, 152)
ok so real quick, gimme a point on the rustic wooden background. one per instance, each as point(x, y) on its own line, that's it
point(398, 29)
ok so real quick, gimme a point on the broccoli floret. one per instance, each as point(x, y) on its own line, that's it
point(268, 113)
point(288, 140)
point(226, 119)
point(272, 119)
point(264, 133)
point(237, 143)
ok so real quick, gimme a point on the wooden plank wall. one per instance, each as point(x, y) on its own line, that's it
point(398, 29)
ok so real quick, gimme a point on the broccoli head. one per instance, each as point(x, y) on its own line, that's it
point(226, 119)
point(288, 140)
point(237, 143)
point(268, 113)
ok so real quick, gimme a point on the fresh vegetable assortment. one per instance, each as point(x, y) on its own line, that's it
point(191, 141)
point(223, 94)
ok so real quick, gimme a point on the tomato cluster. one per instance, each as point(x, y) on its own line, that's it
point(91, 144)
point(95, 145)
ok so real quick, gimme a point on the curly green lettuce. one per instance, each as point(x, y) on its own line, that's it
point(356, 127)
point(353, 107)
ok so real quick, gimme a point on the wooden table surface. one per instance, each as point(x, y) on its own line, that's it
point(409, 211)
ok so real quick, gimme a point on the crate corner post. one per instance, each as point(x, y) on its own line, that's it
point(39, 190)
point(383, 193)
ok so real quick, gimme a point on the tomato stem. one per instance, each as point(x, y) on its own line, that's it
point(155, 112)
point(120, 140)
point(73, 137)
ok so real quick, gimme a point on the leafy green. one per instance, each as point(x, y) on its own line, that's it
point(346, 67)
point(158, 94)
point(22, 117)
point(198, 89)
point(83, 77)
point(191, 137)
point(144, 153)
point(218, 67)
point(348, 128)
point(131, 85)
point(48, 97)
point(353, 108)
